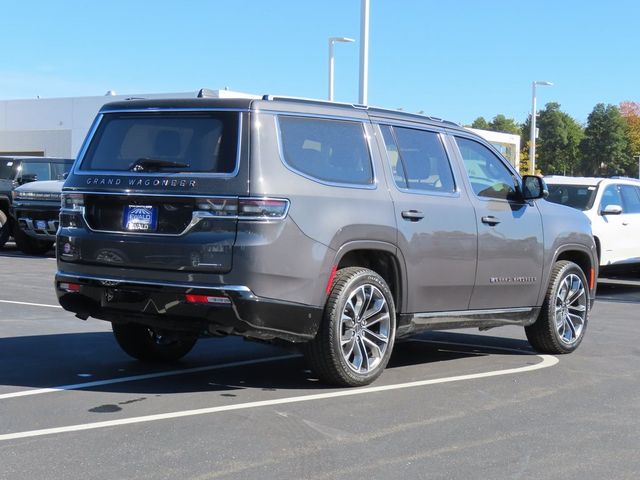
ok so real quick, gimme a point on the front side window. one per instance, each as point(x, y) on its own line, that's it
point(329, 150)
point(36, 170)
point(610, 196)
point(175, 142)
point(488, 175)
point(418, 159)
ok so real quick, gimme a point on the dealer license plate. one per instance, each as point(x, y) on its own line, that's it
point(140, 218)
point(41, 225)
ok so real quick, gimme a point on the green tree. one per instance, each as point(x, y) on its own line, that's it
point(500, 123)
point(558, 142)
point(605, 147)
point(480, 123)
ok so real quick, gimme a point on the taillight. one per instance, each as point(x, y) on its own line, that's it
point(262, 208)
point(72, 201)
point(219, 207)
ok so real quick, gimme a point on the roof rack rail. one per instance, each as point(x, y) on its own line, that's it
point(317, 101)
point(270, 98)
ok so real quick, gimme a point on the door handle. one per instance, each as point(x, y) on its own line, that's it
point(412, 215)
point(490, 220)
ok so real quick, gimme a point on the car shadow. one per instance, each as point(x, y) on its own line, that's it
point(9, 250)
point(74, 358)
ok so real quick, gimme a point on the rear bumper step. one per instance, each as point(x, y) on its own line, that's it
point(231, 309)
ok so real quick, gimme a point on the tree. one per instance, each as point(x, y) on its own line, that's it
point(500, 123)
point(630, 112)
point(480, 123)
point(558, 142)
point(605, 147)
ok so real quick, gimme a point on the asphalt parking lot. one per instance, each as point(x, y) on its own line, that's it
point(451, 405)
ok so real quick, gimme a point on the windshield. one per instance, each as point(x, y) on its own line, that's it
point(172, 142)
point(576, 196)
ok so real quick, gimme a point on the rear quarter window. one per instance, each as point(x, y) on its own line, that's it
point(328, 150)
point(205, 142)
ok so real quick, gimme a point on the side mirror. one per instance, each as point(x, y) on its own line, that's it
point(611, 210)
point(28, 178)
point(533, 187)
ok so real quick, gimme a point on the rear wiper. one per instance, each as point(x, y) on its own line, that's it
point(146, 164)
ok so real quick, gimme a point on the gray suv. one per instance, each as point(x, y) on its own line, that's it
point(339, 228)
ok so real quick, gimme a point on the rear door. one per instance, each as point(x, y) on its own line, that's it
point(510, 241)
point(436, 222)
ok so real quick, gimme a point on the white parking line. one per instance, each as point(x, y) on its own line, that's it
point(146, 376)
point(547, 361)
point(30, 304)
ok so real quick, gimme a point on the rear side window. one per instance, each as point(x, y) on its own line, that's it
point(203, 142)
point(418, 159)
point(631, 198)
point(333, 151)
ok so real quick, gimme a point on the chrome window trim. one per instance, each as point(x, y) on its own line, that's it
point(81, 156)
point(118, 281)
point(370, 186)
point(454, 194)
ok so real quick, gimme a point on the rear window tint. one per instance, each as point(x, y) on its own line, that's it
point(329, 150)
point(205, 142)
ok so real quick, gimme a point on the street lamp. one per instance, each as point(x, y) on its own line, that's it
point(532, 142)
point(333, 40)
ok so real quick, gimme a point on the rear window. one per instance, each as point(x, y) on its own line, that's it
point(576, 196)
point(333, 151)
point(199, 142)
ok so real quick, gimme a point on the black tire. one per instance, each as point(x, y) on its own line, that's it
point(149, 345)
point(5, 228)
point(326, 354)
point(563, 319)
point(29, 245)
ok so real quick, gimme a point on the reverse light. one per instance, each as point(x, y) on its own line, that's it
point(209, 299)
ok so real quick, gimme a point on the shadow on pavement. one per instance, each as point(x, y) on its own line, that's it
point(68, 359)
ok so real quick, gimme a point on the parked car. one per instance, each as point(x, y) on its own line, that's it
point(336, 227)
point(36, 210)
point(613, 207)
point(18, 170)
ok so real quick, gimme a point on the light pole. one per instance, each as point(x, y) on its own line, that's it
point(363, 93)
point(532, 141)
point(332, 41)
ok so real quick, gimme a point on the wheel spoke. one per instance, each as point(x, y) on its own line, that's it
point(578, 308)
point(377, 319)
point(349, 351)
point(378, 336)
point(365, 356)
point(377, 308)
point(375, 349)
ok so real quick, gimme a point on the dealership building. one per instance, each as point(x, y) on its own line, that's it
point(56, 127)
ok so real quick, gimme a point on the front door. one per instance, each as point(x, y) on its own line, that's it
point(510, 242)
point(436, 223)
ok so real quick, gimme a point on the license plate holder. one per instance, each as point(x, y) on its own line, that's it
point(140, 218)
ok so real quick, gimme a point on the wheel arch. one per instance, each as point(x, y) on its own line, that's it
point(383, 258)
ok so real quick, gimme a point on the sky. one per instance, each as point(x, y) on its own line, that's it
point(456, 60)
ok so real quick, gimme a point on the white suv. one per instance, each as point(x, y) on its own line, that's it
point(612, 205)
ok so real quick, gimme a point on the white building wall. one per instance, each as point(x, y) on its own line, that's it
point(57, 126)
